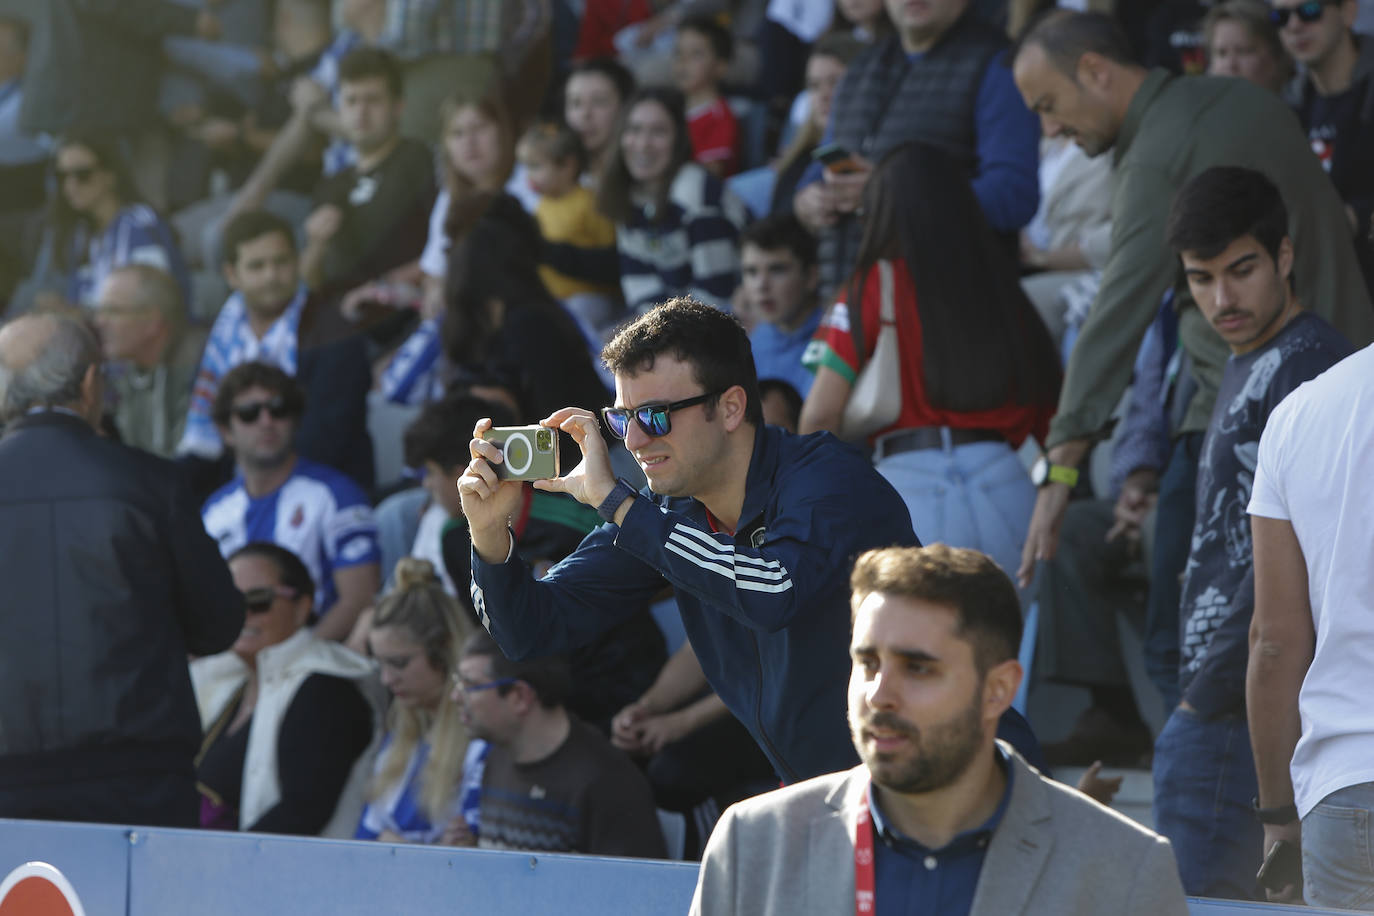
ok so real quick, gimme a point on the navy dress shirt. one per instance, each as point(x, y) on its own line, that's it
point(912, 880)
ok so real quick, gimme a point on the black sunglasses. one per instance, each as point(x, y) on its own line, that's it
point(654, 419)
point(249, 413)
point(82, 173)
point(1310, 11)
point(259, 600)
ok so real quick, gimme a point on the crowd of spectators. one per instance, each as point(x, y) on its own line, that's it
point(1052, 275)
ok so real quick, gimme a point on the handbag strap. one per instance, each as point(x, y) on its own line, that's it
point(887, 311)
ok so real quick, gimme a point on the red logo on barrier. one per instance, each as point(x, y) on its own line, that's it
point(38, 889)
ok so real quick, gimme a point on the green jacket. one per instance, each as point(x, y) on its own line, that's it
point(1175, 128)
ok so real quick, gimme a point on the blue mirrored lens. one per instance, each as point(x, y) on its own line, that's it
point(655, 419)
point(618, 421)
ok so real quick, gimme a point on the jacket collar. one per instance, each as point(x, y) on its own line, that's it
point(1144, 97)
point(53, 418)
point(758, 483)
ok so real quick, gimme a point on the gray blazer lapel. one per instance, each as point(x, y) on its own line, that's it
point(830, 847)
point(1020, 846)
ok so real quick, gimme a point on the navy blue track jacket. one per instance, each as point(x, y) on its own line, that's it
point(766, 610)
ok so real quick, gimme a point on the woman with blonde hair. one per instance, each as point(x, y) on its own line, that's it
point(424, 788)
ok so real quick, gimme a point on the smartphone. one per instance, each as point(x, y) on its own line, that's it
point(836, 158)
point(1282, 867)
point(528, 452)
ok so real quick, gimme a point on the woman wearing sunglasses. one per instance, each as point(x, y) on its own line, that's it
point(978, 370)
point(289, 719)
point(429, 774)
point(97, 221)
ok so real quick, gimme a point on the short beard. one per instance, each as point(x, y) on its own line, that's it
point(936, 760)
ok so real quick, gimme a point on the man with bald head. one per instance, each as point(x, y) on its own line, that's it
point(110, 582)
point(1076, 72)
point(142, 322)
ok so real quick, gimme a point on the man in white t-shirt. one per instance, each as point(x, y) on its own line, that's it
point(1312, 638)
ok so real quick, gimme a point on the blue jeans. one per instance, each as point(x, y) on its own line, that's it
point(1204, 780)
point(1338, 850)
point(1173, 538)
point(975, 495)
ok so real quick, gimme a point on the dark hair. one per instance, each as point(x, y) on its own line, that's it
point(249, 227)
point(1065, 36)
point(491, 104)
point(443, 430)
point(713, 342)
point(290, 569)
point(966, 581)
point(789, 393)
point(718, 36)
point(1223, 204)
point(366, 63)
point(105, 147)
point(781, 230)
point(556, 141)
point(495, 255)
point(256, 375)
point(983, 343)
point(549, 677)
point(617, 187)
point(609, 67)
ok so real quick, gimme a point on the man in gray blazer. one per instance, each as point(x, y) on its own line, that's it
point(940, 814)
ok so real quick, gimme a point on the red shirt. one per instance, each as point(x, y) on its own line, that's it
point(715, 135)
point(833, 347)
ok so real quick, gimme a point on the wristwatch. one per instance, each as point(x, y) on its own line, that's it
point(1283, 814)
point(1043, 473)
point(621, 492)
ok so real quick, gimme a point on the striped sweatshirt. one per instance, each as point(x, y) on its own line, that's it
point(691, 250)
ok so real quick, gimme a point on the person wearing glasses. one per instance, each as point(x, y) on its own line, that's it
point(754, 528)
point(97, 221)
point(551, 782)
point(428, 774)
point(290, 720)
point(271, 317)
point(142, 321)
point(277, 496)
point(1334, 99)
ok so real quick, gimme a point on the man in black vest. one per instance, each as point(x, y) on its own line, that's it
point(941, 79)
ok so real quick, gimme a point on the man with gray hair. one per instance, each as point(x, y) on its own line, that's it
point(142, 322)
point(110, 582)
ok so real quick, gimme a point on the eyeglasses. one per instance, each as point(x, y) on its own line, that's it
point(259, 600)
point(1310, 11)
point(654, 419)
point(249, 412)
point(468, 687)
point(81, 174)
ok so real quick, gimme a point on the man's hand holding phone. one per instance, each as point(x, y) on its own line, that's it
point(488, 501)
point(846, 175)
point(1281, 873)
point(592, 480)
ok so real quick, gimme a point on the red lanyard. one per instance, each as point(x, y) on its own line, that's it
point(865, 890)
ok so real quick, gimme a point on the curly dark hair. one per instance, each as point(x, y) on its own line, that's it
point(714, 342)
point(256, 375)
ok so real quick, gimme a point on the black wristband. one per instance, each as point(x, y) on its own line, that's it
point(1283, 814)
point(611, 503)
